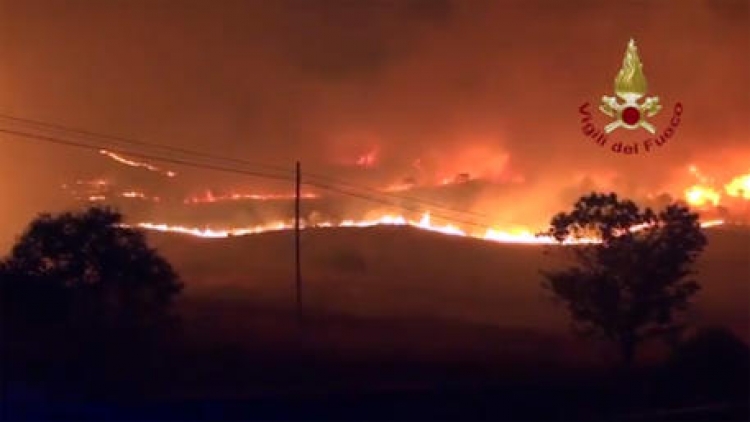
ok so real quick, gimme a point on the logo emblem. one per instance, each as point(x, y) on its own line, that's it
point(630, 86)
point(630, 109)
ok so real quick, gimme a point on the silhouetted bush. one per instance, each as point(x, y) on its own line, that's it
point(712, 364)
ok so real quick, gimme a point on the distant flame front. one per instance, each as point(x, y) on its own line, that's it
point(425, 223)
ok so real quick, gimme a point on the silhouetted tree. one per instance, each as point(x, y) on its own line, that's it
point(85, 283)
point(634, 282)
point(106, 269)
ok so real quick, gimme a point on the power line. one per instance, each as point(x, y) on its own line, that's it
point(141, 155)
point(404, 198)
point(201, 154)
point(405, 208)
point(129, 141)
point(75, 144)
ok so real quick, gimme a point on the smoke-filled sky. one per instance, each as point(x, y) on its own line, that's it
point(462, 86)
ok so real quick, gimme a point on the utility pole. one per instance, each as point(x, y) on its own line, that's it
point(298, 268)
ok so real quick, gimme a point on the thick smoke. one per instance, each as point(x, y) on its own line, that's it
point(435, 88)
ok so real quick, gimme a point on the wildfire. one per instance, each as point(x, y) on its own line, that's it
point(209, 197)
point(699, 196)
point(739, 187)
point(214, 233)
point(520, 235)
point(457, 179)
point(369, 159)
point(88, 190)
point(400, 187)
point(398, 220)
point(425, 223)
point(122, 160)
point(126, 194)
point(707, 191)
point(96, 183)
point(712, 223)
point(139, 195)
point(516, 236)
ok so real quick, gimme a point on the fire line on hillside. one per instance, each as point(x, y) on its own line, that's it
point(425, 223)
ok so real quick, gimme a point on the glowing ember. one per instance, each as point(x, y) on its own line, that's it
point(384, 220)
point(139, 195)
point(122, 160)
point(369, 159)
point(398, 187)
point(712, 223)
point(100, 183)
point(404, 185)
point(425, 223)
point(209, 197)
point(516, 236)
point(133, 194)
point(699, 175)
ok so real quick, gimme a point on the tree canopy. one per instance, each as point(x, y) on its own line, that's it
point(637, 279)
point(86, 265)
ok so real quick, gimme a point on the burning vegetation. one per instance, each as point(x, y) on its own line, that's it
point(409, 204)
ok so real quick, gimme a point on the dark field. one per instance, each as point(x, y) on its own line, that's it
point(403, 324)
point(400, 272)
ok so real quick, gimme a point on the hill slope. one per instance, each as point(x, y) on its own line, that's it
point(405, 272)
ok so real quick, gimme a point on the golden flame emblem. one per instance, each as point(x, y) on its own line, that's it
point(630, 78)
point(630, 87)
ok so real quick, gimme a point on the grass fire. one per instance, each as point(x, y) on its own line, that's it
point(374, 210)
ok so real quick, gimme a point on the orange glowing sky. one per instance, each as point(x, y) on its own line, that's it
point(419, 88)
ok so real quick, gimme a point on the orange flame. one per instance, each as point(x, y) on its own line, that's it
point(139, 195)
point(700, 196)
point(209, 197)
point(712, 223)
point(122, 160)
point(519, 235)
point(369, 159)
point(739, 187)
point(705, 193)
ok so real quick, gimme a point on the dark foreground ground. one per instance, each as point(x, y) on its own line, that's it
point(353, 369)
point(445, 404)
point(398, 326)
